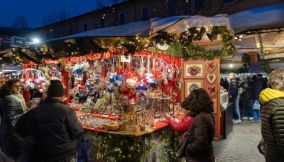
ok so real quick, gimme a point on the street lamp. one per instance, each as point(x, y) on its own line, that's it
point(35, 41)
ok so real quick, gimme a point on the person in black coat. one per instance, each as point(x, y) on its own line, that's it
point(53, 127)
point(199, 147)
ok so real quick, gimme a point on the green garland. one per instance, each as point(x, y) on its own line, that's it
point(184, 48)
point(157, 146)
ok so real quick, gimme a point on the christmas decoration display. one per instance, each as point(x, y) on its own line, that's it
point(121, 88)
point(33, 79)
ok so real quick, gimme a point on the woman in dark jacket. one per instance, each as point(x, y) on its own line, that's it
point(12, 107)
point(199, 146)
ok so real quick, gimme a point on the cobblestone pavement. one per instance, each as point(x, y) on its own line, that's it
point(240, 145)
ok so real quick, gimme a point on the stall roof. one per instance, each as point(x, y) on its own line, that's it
point(266, 17)
point(176, 24)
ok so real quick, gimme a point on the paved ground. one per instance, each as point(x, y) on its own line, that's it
point(240, 145)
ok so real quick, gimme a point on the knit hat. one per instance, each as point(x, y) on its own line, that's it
point(55, 89)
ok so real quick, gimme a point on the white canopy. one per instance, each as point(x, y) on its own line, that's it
point(176, 24)
point(179, 24)
point(258, 18)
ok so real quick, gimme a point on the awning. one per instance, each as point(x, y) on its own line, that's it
point(173, 25)
point(266, 17)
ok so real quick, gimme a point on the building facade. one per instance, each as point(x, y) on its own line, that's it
point(138, 10)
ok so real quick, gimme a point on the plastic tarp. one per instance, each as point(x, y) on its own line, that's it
point(178, 24)
point(140, 28)
point(174, 25)
point(271, 16)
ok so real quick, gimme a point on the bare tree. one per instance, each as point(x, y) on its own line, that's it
point(63, 16)
point(20, 22)
point(53, 18)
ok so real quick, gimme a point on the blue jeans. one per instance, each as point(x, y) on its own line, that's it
point(237, 107)
point(256, 112)
point(233, 107)
point(251, 107)
point(247, 109)
point(256, 115)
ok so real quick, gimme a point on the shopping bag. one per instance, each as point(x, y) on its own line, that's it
point(256, 105)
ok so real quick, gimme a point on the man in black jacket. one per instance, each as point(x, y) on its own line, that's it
point(53, 126)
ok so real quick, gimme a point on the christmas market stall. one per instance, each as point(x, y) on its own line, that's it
point(122, 80)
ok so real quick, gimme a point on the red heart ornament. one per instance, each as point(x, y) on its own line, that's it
point(211, 66)
point(211, 78)
point(212, 90)
point(194, 70)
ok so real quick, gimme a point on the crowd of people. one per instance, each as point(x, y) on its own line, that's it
point(260, 99)
point(50, 132)
point(47, 133)
point(244, 96)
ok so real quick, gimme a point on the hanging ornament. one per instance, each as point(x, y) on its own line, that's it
point(131, 82)
point(141, 87)
point(97, 78)
point(151, 80)
point(162, 47)
point(118, 80)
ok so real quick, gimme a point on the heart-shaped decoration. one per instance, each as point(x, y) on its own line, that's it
point(211, 78)
point(194, 70)
point(211, 66)
point(212, 90)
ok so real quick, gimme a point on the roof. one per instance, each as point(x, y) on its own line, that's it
point(266, 17)
point(171, 25)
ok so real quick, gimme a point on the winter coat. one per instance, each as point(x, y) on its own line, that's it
point(272, 124)
point(200, 137)
point(9, 140)
point(233, 91)
point(246, 95)
point(256, 88)
point(180, 126)
point(54, 128)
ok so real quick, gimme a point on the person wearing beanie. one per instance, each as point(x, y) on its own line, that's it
point(53, 126)
point(272, 117)
point(55, 89)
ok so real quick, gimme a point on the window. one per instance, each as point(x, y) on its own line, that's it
point(122, 18)
point(85, 27)
point(145, 13)
point(171, 7)
point(102, 22)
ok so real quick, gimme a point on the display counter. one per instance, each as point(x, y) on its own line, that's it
point(158, 125)
point(157, 143)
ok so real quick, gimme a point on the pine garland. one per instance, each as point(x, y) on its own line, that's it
point(184, 48)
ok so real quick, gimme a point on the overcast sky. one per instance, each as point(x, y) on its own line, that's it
point(36, 10)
